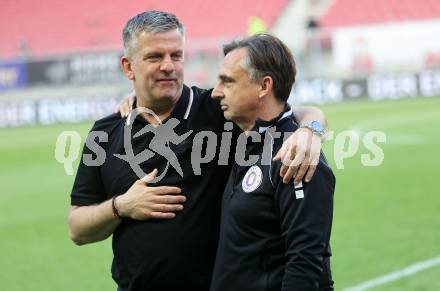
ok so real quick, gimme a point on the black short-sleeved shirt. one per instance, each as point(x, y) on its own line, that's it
point(175, 254)
point(274, 236)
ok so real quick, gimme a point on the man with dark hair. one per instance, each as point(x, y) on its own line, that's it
point(268, 58)
point(157, 243)
point(272, 236)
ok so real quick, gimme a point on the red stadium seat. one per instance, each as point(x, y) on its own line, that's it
point(365, 12)
point(51, 26)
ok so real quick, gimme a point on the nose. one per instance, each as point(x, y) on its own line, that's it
point(217, 92)
point(167, 65)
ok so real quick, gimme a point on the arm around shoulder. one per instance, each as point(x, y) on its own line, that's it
point(308, 113)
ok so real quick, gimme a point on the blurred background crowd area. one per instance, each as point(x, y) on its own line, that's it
point(60, 60)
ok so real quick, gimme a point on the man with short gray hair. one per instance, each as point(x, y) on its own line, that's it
point(164, 236)
point(149, 22)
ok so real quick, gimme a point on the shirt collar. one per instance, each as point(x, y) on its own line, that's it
point(262, 125)
point(181, 110)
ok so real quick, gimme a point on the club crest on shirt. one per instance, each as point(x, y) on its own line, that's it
point(252, 179)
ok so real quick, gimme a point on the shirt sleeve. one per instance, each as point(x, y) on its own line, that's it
point(306, 212)
point(88, 187)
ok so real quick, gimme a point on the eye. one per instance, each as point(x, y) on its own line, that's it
point(227, 81)
point(177, 57)
point(152, 58)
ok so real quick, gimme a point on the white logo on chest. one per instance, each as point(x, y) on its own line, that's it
point(252, 179)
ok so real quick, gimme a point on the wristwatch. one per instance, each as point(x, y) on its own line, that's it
point(315, 126)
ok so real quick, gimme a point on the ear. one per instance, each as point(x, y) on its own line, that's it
point(126, 67)
point(266, 86)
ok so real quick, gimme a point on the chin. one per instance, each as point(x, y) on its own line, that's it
point(228, 116)
point(167, 93)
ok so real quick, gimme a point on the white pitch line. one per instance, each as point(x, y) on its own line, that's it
point(396, 275)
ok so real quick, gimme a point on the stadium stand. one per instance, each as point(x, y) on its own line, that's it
point(51, 26)
point(365, 12)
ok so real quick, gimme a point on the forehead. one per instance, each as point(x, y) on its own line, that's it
point(232, 63)
point(172, 39)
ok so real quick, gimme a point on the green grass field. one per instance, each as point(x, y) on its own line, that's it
point(386, 217)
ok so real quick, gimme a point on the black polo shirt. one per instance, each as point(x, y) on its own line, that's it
point(175, 254)
point(274, 236)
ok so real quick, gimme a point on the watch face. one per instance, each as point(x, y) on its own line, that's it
point(316, 126)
